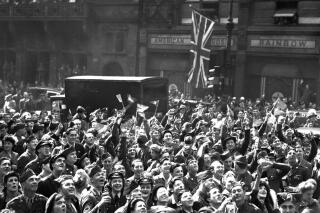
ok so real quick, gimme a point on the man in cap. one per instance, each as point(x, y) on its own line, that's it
point(240, 202)
point(20, 133)
point(71, 159)
point(48, 185)
point(68, 190)
point(72, 141)
point(29, 155)
point(43, 150)
point(29, 201)
point(95, 200)
point(146, 185)
point(191, 180)
point(242, 173)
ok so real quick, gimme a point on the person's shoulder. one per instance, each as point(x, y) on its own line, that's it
point(15, 200)
point(41, 197)
point(253, 208)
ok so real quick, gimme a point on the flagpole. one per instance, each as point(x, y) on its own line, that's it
point(155, 112)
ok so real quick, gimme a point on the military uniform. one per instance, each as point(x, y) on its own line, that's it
point(24, 159)
point(35, 165)
point(296, 175)
point(91, 198)
point(21, 204)
point(70, 170)
point(48, 186)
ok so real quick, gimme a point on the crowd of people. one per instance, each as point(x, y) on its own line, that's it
point(216, 155)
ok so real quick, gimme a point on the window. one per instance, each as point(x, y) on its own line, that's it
point(286, 13)
point(210, 9)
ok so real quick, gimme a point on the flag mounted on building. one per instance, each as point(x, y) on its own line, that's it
point(202, 28)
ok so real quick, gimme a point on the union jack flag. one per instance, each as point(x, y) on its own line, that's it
point(202, 28)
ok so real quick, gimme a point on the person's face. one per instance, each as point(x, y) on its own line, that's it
point(162, 195)
point(67, 188)
point(186, 199)
point(193, 166)
point(30, 124)
point(33, 144)
point(3, 132)
point(89, 139)
point(7, 146)
point(85, 162)
point(132, 152)
point(215, 196)
point(99, 179)
point(209, 183)
point(120, 168)
point(307, 195)
point(240, 115)
point(45, 150)
point(178, 187)
point(107, 163)
point(230, 145)
point(77, 124)
point(146, 190)
point(292, 157)
point(117, 184)
point(138, 168)
point(218, 168)
point(5, 167)
point(300, 153)
point(262, 193)
point(140, 207)
point(165, 167)
point(207, 160)
point(59, 205)
point(6, 118)
point(167, 137)
point(155, 135)
point(287, 207)
point(31, 184)
point(12, 184)
point(72, 137)
point(72, 157)
point(177, 172)
point(277, 143)
point(21, 132)
point(230, 181)
point(238, 194)
point(136, 193)
point(228, 163)
point(59, 164)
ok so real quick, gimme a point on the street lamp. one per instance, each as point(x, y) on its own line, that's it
point(229, 27)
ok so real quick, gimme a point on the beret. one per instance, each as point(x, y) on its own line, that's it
point(26, 175)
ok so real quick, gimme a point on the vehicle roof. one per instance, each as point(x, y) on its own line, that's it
point(44, 89)
point(114, 78)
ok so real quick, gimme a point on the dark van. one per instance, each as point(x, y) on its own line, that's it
point(93, 92)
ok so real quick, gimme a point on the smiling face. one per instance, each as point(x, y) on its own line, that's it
point(177, 172)
point(215, 196)
point(5, 167)
point(186, 199)
point(117, 184)
point(238, 194)
point(162, 195)
point(178, 187)
point(59, 164)
point(67, 188)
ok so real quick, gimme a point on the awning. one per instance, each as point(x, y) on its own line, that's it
point(280, 70)
point(285, 13)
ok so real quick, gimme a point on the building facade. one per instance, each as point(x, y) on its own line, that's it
point(274, 44)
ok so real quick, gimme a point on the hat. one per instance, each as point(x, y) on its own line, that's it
point(229, 137)
point(205, 210)
point(142, 139)
point(155, 148)
point(37, 127)
point(311, 113)
point(47, 160)
point(18, 126)
point(94, 171)
point(26, 175)
point(114, 175)
point(241, 161)
point(54, 158)
point(182, 106)
point(80, 109)
point(79, 161)
point(43, 143)
point(67, 151)
point(9, 138)
point(145, 181)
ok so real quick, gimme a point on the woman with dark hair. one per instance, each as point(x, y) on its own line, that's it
point(159, 196)
point(261, 196)
point(137, 206)
point(56, 204)
point(11, 188)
